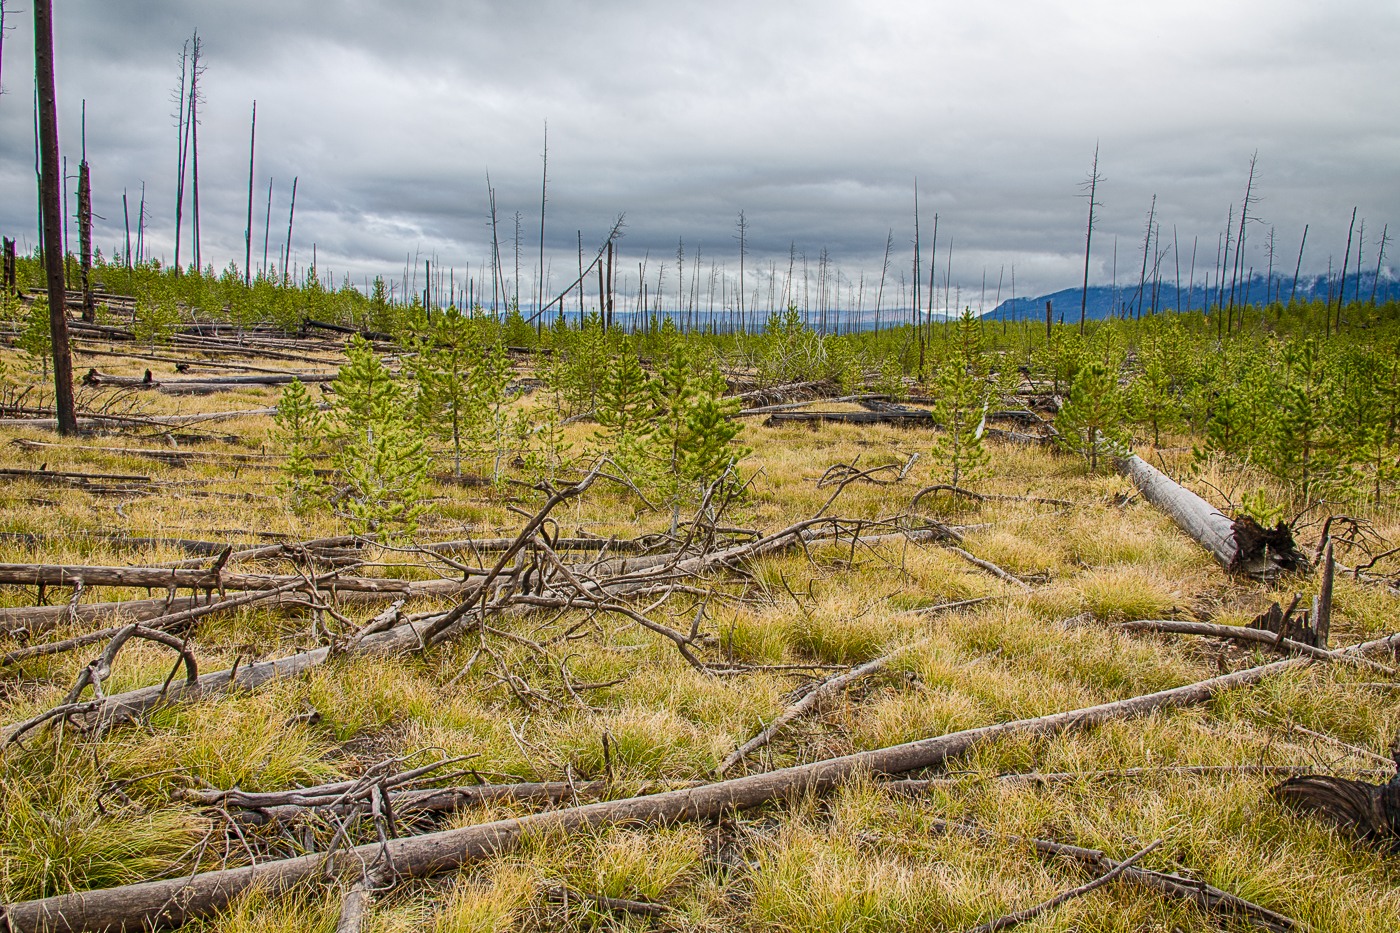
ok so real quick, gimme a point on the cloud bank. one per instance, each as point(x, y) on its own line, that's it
point(815, 119)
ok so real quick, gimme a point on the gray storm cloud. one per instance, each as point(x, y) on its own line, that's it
point(814, 119)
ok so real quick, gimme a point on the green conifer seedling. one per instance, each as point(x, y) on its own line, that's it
point(1091, 421)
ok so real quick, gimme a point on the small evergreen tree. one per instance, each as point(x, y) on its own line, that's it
point(1090, 423)
point(710, 450)
point(36, 339)
point(627, 403)
point(963, 389)
point(446, 404)
point(156, 320)
point(1152, 400)
point(303, 426)
point(382, 456)
point(381, 312)
point(1304, 448)
point(694, 437)
point(1379, 456)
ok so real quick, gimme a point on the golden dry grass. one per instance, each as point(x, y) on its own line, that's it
point(860, 859)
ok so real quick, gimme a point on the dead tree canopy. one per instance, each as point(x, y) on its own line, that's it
point(1239, 545)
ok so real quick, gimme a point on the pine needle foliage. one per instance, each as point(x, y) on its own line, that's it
point(1091, 422)
point(963, 388)
point(448, 398)
point(628, 402)
point(382, 457)
point(303, 428)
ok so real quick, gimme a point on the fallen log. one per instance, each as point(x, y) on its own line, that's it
point(177, 578)
point(174, 901)
point(916, 787)
point(1361, 810)
point(119, 541)
point(826, 688)
point(801, 533)
point(851, 417)
point(36, 619)
point(1010, 920)
point(420, 802)
point(178, 361)
point(769, 409)
point(342, 329)
point(95, 421)
point(779, 393)
point(983, 496)
point(991, 568)
point(492, 545)
point(1205, 896)
point(122, 707)
point(164, 622)
point(1236, 544)
point(67, 479)
point(1016, 437)
point(1253, 636)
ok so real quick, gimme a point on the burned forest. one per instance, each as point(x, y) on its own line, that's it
point(340, 611)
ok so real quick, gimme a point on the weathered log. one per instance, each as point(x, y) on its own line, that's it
point(178, 578)
point(119, 541)
point(424, 801)
point(1252, 635)
point(800, 533)
point(41, 618)
point(342, 329)
point(769, 409)
point(1368, 812)
point(915, 787)
point(107, 420)
point(173, 901)
point(484, 545)
point(1212, 530)
point(1008, 921)
point(851, 417)
point(1205, 896)
point(826, 688)
point(122, 707)
point(780, 393)
point(69, 479)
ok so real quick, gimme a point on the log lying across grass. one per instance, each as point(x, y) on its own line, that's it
point(1230, 541)
point(178, 578)
point(174, 901)
point(918, 416)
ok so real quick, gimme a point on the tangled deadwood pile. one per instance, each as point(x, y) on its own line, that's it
point(527, 574)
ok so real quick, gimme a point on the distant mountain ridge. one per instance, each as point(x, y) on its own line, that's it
point(1105, 300)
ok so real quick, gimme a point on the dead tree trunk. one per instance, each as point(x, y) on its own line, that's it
point(53, 217)
point(1236, 545)
point(85, 238)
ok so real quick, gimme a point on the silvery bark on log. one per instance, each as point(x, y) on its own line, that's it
point(1266, 552)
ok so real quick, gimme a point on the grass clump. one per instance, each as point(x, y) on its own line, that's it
point(58, 835)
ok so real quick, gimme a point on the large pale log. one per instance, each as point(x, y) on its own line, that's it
point(1205, 523)
point(174, 901)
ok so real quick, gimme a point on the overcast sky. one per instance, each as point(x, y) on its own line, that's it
point(812, 118)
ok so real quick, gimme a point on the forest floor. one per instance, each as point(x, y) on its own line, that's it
point(84, 811)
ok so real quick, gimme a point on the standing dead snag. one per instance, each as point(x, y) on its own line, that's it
point(1238, 545)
